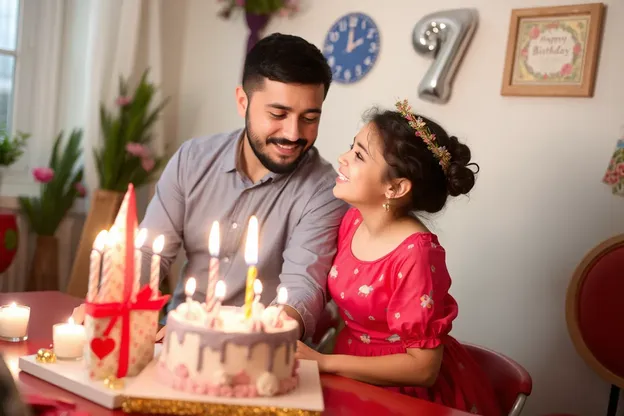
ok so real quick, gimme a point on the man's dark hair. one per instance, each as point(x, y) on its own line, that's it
point(285, 58)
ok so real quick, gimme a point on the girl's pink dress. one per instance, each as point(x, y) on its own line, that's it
point(401, 301)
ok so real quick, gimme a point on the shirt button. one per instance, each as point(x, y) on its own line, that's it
point(234, 226)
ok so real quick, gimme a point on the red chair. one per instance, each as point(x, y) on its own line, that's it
point(595, 313)
point(512, 383)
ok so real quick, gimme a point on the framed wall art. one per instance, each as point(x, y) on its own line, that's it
point(553, 51)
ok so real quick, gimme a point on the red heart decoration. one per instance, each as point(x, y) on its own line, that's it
point(102, 346)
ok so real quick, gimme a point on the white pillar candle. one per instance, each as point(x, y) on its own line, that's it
point(138, 260)
point(14, 322)
point(157, 248)
point(219, 296)
point(95, 264)
point(68, 340)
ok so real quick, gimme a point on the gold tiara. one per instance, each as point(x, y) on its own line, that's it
point(422, 131)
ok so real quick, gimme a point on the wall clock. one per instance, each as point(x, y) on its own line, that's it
point(351, 47)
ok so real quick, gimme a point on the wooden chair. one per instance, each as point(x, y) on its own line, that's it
point(595, 313)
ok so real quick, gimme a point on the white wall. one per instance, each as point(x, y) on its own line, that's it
point(511, 249)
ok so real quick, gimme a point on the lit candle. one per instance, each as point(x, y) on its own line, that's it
point(112, 238)
point(95, 264)
point(257, 290)
point(157, 247)
point(282, 298)
point(189, 290)
point(219, 296)
point(138, 259)
point(251, 258)
point(14, 322)
point(68, 340)
point(213, 270)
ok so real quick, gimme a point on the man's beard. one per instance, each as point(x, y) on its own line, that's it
point(259, 147)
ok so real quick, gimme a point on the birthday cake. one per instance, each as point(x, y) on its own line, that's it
point(226, 353)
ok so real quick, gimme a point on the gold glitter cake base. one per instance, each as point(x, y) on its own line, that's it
point(188, 408)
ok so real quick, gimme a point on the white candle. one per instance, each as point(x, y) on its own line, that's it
point(189, 290)
point(219, 296)
point(14, 322)
point(157, 247)
point(257, 290)
point(213, 270)
point(112, 239)
point(282, 298)
point(95, 264)
point(68, 340)
point(138, 260)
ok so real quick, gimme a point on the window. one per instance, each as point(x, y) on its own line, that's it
point(31, 35)
point(9, 18)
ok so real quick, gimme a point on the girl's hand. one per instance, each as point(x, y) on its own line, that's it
point(306, 353)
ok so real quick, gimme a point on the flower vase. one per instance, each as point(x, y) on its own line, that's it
point(9, 239)
point(44, 267)
point(102, 212)
point(256, 23)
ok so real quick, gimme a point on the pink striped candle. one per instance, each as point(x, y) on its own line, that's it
point(95, 265)
point(213, 268)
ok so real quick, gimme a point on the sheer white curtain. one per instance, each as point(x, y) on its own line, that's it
point(109, 38)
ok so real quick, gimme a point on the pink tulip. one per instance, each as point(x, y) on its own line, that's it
point(138, 150)
point(148, 164)
point(80, 189)
point(43, 175)
point(123, 101)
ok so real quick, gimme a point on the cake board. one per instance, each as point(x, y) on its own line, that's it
point(144, 393)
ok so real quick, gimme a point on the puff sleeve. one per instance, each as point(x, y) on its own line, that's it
point(420, 310)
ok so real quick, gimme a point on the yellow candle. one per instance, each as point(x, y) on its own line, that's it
point(251, 258)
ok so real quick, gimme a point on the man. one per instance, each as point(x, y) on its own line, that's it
point(269, 169)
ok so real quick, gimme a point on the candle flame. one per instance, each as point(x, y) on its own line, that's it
point(100, 240)
point(70, 320)
point(282, 296)
point(213, 240)
point(159, 244)
point(189, 289)
point(257, 287)
point(251, 246)
point(140, 238)
point(13, 305)
point(112, 236)
point(220, 290)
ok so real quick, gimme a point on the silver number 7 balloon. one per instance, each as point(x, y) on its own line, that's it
point(445, 35)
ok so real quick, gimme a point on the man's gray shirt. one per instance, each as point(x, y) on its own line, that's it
point(297, 213)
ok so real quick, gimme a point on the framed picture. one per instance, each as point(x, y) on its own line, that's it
point(553, 51)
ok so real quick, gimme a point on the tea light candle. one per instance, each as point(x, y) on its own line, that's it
point(68, 339)
point(14, 322)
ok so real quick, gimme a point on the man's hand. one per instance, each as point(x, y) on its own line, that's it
point(78, 314)
point(291, 312)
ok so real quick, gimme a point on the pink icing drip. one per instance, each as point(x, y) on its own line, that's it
point(180, 380)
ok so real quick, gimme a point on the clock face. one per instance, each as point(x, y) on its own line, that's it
point(351, 47)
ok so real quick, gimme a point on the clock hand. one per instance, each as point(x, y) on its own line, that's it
point(350, 41)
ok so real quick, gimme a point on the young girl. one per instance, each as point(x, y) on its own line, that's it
point(389, 277)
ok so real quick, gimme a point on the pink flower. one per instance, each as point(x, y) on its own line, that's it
point(534, 32)
point(566, 69)
point(43, 175)
point(240, 3)
point(138, 150)
point(577, 49)
point(148, 164)
point(80, 189)
point(123, 101)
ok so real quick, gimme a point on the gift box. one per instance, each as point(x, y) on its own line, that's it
point(121, 319)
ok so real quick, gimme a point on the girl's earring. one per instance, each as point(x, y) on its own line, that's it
point(386, 205)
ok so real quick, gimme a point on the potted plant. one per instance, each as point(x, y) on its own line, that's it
point(123, 158)
point(258, 13)
point(60, 185)
point(11, 149)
